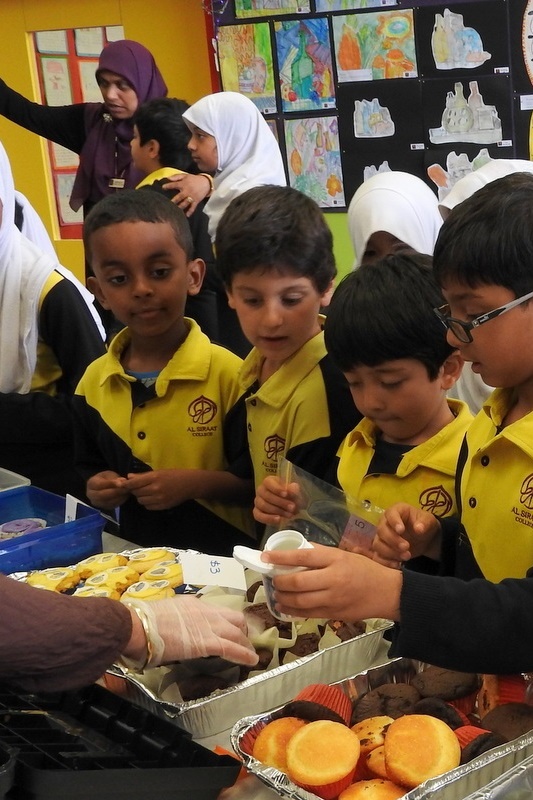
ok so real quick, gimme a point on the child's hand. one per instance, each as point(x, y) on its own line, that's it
point(336, 585)
point(161, 488)
point(405, 532)
point(275, 499)
point(107, 490)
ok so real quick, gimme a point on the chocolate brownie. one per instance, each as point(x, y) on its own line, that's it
point(305, 644)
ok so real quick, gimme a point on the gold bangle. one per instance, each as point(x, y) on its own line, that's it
point(130, 663)
point(211, 182)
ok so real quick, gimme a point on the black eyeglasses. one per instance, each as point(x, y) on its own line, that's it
point(461, 330)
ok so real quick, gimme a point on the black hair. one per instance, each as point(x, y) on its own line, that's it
point(275, 228)
point(488, 238)
point(384, 311)
point(161, 119)
point(135, 206)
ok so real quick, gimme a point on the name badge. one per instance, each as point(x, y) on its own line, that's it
point(117, 183)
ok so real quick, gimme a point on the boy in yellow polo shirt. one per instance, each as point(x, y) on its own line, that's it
point(275, 255)
point(383, 334)
point(152, 412)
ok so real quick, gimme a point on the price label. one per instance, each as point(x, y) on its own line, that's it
point(201, 569)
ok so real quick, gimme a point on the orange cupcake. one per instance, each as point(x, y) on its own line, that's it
point(374, 789)
point(371, 732)
point(331, 697)
point(375, 762)
point(322, 756)
point(418, 747)
point(270, 747)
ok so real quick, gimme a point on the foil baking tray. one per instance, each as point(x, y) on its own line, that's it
point(260, 693)
point(458, 784)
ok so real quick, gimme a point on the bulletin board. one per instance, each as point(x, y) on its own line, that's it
point(354, 87)
point(66, 62)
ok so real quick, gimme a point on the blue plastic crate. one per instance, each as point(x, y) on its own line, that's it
point(59, 544)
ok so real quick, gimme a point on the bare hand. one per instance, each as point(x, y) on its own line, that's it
point(191, 190)
point(161, 488)
point(335, 585)
point(275, 500)
point(107, 490)
point(405, 532)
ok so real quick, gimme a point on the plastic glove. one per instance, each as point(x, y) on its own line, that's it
point(184, 627)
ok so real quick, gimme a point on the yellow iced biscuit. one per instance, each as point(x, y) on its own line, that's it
point(97, 591)
point(100, 561)
point(118, 578)
point(149, 557)
point(148, 590)
point(166, 571)
point(59, 579)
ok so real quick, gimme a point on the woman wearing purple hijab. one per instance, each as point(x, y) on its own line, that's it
point(99, 132)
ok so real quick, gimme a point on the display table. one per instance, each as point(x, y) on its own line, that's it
point(249, 787)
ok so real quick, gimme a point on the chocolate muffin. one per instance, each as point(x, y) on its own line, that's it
point(259, 618)
point(435, 707)
point(445, 683)
point(510, 720)
point(197, 686)
point(481, 744)
point(346, 630)
point(389, 700)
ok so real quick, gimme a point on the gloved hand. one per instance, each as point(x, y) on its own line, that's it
point(184, 627)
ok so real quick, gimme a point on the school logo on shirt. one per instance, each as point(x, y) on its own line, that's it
point(526, 492)
point(436, 500)
point(202, 411)
point(274, 446)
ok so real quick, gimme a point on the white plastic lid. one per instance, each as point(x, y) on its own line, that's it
point(251, 558)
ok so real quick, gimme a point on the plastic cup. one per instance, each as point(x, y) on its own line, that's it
point(282, 540)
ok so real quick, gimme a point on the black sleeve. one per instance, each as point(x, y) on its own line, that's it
point(472, 626)
point(61, 124)
point(67, 327)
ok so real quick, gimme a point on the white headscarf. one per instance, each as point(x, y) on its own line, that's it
point(34, 230)
point(248, 153)
point(23, 272)
point(398, 203)
point(465, 187)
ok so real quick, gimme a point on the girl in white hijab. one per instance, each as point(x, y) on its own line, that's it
point(465, 187)
point(395, 203)
point(394, 209)
point(246, 153)
point(34, 230)
point(47, 338)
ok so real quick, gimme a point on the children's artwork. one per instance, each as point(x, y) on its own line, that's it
point(527, 39)
point(313, 156)
point(262, 8)
point(375, 46)
point(467, 120)
point(371, 120)
point(455, 46)
point(350, 5)
point(304, 58)
point(245, 57)
point(457, 166)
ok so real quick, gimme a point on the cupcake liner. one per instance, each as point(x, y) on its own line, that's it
point(466, 720)
point(330, 696)
point(465, 704)
point(329, 791)
point(511, 689)
point(467, 734)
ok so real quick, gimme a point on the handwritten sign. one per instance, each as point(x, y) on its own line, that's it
point(201, 569)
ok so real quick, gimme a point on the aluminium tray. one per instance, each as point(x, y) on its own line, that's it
point(454, 785)
point(218, 712)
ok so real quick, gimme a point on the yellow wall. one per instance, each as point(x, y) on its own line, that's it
point(173, 30)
